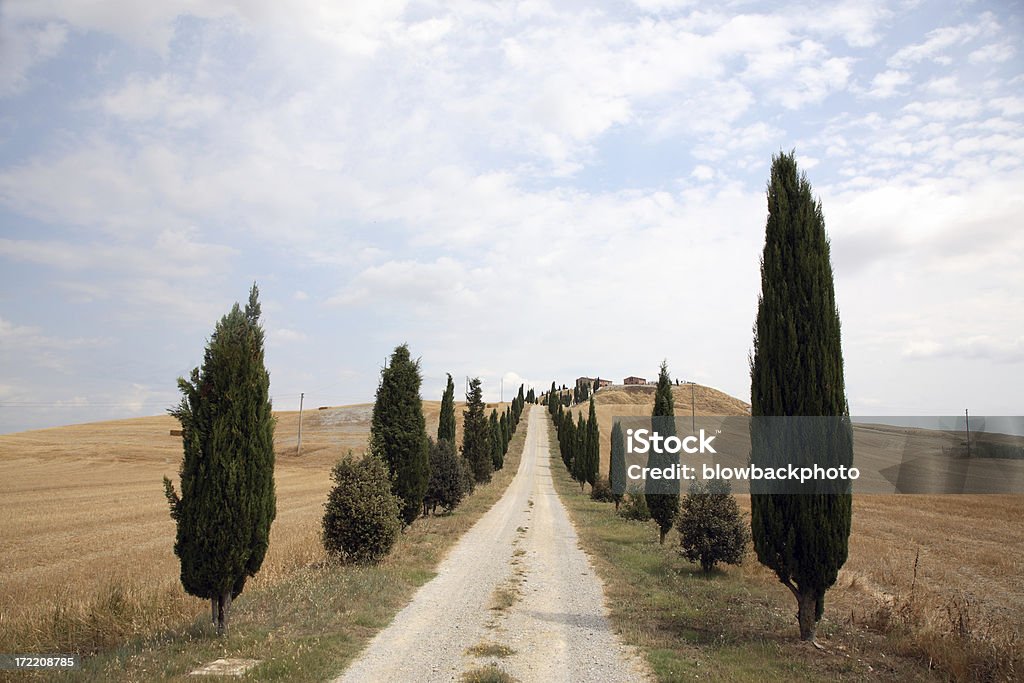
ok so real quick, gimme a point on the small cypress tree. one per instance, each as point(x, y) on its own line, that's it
point(662, 494)
point(466, 476)
point(617, 464)
point(398, 433)
point(446, 487)
point(476, 437)
point(446, 423)
point(796, 369)
point(227, 501)
point(553, 400)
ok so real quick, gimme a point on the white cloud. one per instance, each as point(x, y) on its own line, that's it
point(997, 52)
point(28, 344)
point(856, 20)
point(173, 254)
point(161, 97)
point(938, 41)
point(285, 335)
point(441, 282)
point(886, 83)
point(981, 347)
point(703, 172)
point(21, 48)
point(944, 85)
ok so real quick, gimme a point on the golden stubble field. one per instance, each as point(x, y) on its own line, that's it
point(86, 542)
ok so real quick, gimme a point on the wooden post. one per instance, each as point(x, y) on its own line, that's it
point(967, 424)
point(298, 446)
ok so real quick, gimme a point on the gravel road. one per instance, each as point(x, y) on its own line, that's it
point(517, 579)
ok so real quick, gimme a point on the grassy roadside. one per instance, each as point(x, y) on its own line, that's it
point(310, 624)
point(736, 625)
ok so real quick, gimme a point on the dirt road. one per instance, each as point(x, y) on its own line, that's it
point(516, 592)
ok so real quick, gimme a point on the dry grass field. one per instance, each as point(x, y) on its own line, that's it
point(86, 542)
point(941, 574)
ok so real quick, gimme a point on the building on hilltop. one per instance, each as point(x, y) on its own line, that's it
point(634, 381)
point(589, 382)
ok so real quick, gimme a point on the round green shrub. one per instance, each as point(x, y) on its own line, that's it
point(634, 505)
point(601, 491)
point(361, 519)
point(711, 529)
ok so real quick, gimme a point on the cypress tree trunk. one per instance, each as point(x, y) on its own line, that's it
point(806, 605)
point(223, 612)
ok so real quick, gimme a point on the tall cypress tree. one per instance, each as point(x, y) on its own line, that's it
point(446, 424)
point(593, 446)
point(506, 436)
point(497, 452)
point(663, 494)
point(227, 501)
point(579, 451)
point(796, 369)
point(476, 437)
point(398, 433)
point(617, 464)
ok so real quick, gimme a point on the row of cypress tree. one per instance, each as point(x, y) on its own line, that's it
point(398, 436)
point(485, 439)
point(578, 442)
point(227, 502)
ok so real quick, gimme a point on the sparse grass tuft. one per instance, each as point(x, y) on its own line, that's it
point(491, 650)
point(488, 674)
point(503, 597)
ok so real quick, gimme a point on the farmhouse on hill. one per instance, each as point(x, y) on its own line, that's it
point(590, 381)
point(634, 380)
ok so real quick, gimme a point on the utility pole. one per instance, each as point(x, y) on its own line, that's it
point(967, 424)
point(693, 410)
point(298, 446)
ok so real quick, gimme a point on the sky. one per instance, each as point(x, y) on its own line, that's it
point(522, 191)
